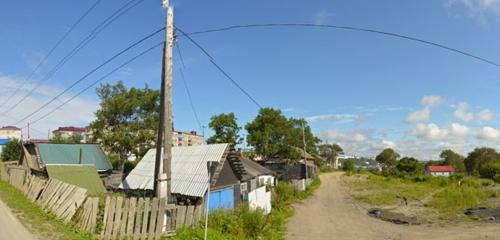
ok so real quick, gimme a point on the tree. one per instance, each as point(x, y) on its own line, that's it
point(388, 158)
point(12, 150)
point(479, 157)
point(273, 135)
point(127, 120)
point(73, 138)
point(330, 152)
point(226, 129)
point(348, 165)
point(454, 159)
point(409, 165)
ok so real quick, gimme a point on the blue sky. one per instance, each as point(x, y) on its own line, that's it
point(363, 91)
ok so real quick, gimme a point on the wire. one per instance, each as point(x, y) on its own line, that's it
point(212, 60)
point(97, 81)
point(117, 14)
point(188, 92)
point(91, 72)
point(485, 60)
point(50, 52)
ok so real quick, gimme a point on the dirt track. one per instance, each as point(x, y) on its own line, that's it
point(332, 214)
point(10, 227)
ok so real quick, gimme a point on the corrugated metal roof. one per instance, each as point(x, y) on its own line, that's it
point(189, 169)
point(70, 154)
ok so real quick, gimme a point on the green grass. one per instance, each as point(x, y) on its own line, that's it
point(446, 198)
point(83, 176)
point(36, 220)
point(244, 223)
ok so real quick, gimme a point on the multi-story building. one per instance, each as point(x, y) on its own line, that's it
point(186, 139)
point(67, 132)
point(10, 132)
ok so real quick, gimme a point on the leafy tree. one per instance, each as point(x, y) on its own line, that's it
point(388, 158)
point(454, 159)
point(12, 150)
point(348, 165)
point(409, 165)
point(73, 138)
point(479, 157)
point(273, 135)
point(330, 151)
point(226, 129)
point(127, 121)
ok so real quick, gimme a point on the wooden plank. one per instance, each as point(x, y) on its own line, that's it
point(58, 208)
point(124, 217)
point(138, 218)
point(189, 216)
point(110, 219)
point(45, 193)
point(181, 215)
point(145, 218)
point(55, 194)
point(73, 204)
point(105, 218)
point(131, 216)
point(63, 192)
point(118, 216)
point(93, 215)
point(160, 218)
point(152, 218)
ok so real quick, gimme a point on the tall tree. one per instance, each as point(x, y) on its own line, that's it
point(330, 152)
point(409, 165)
point(272, 134)
point(12, 150)
point(479, 157)
point(127, 120)
point(226, 129)
point(73, 138)
point(454, 159)
point(388, 158)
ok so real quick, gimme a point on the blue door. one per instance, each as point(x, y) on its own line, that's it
point(221, 199)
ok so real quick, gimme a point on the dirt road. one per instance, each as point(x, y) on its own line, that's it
point(10, 227)
point(332, 214)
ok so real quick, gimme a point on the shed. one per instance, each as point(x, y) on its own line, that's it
point(84, 176)
point(37, 156)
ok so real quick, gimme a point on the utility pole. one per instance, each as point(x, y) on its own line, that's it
point(163, 175)
point(304, 141)
point(29, 131)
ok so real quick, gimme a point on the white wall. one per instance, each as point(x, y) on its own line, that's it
point(446, 174)
point(260, 197)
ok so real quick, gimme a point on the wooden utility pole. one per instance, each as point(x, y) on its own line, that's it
point(304, 141)
point(163, 175)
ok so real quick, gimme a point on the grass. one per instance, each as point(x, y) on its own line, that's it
point(35, 219)
point(244, 223)
point(83, 176)
point(443, 198)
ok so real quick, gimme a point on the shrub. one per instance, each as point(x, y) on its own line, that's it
point(489, 170)
point(348, 165)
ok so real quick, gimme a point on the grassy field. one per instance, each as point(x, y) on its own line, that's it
point(431, 198)
point(36, 220)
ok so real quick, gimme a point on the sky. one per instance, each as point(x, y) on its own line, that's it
point(361, 90)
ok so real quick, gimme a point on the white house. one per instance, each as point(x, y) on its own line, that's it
point(256, 185)
point(445, 171)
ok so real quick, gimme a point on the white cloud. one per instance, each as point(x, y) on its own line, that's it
point(289, 109)
point(78, 112)
point(335, 118)
point(489, 133)
point(419, 116)
point(337, 135)
point(463, 113)
point(431, 131)
point(485, 115)
point(432, 100)
point(476, 9)
point(322, 16)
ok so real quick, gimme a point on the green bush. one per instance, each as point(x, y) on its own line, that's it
point(489, 170)
point(348, 165)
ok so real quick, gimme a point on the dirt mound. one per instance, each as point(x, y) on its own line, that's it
point(394, 217)
point(484, 213)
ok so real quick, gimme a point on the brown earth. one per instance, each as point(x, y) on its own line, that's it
point(332, 214)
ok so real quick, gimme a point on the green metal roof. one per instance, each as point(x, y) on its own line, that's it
point(70, 154)
point(84, 176)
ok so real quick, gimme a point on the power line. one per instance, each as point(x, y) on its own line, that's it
point(51, 51)
point(188, 92)
point(212, 60)
point(91, 72)
point(397, 35)
point(99, 28)
point(98, 81)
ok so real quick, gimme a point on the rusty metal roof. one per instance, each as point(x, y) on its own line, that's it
point(189, 169)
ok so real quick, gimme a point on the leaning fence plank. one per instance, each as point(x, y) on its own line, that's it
point(75, 202)
point(131, 216)
point(145, 218)
point(111, 216)
point(123, 224)
point(93, 215)
point(138, 218)
point(46, 193)
point(55, 195)
point(58, 208)
point(105, 219)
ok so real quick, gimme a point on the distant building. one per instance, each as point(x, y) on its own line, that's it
point(186, 139)
point(67, 132)
point(445, 170)
point(3, 142)
point(10, 132)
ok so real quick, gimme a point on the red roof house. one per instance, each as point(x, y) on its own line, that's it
point(445, 170)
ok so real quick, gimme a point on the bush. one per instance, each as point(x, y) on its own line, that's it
point(489, 170)
point(348, 165)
